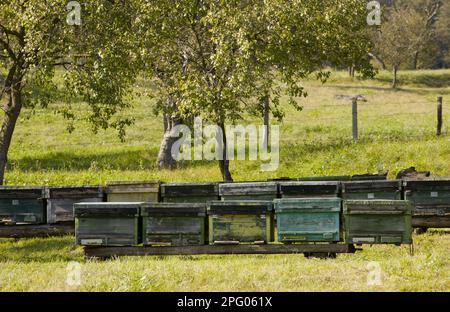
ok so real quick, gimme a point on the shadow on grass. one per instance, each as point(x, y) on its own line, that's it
point(52, 249)
point(389, 89)
point(439, 232)
point(422, 79)
point(134, 160)
point(145, 159)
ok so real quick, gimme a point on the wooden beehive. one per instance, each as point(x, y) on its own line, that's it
point(60, 200)
point(377, 221)
point(309, 189)
point(107, 224)
point(189, 192)
point(248, 191)
point(132, 191)
point(173, 224)
point(431, 199)
point(22, 205)
point(239, 221)
point(308, 219)
point(369, 190)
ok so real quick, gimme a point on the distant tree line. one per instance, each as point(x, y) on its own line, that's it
point(414, 34)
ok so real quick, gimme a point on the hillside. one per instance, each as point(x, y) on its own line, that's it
point(397, 130)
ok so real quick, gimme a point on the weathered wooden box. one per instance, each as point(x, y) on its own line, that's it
point(60, 200)
point(431, 199)
point(189, 192)
point(132, 191)
point(173, 224)
point(308, 219)
point(369, 190)
point(232, 222)
point(107, 224)
point(309, 189)
point(377, 221)
point(22, 205)
point(248, 191)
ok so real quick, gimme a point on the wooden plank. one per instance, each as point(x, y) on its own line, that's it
point(106, 252)
point(43, 230)
point(431, 222)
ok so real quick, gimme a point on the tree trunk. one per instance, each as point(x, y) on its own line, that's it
point(165, 159)
point(166, 122)
point(379, 60)
point(12, 111)
point(394, 77)
point(416, 60)
point(266, 116)
point(224, 163)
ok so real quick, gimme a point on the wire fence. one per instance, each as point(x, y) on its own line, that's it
point(362, 118)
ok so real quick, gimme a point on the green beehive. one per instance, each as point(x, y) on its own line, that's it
point(248, 191)
point(369, 190)
point(232, 222)
point(22, 205)
point(173, 224)
point(189, 192)
point(107, 224)
point(132, 191)
point(309, 189)
point(308, 219)
point(377, 221)
point(60, 200)
point(431, 199)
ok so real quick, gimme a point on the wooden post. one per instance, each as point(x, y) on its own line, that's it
point(439, 116)
point(355, 118)
point(266, 121)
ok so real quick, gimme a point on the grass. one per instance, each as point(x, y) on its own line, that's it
point(397, 130)
point(41, 265)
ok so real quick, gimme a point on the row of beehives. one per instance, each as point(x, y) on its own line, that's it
point(431, 198)
point(298, 220)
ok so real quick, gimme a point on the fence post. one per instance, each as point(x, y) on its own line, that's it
point(439, 116)
point(355, 118)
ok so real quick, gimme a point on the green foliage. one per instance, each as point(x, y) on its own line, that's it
point(218, 59)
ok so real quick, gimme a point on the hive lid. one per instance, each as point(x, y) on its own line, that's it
point(282, 179)
point(69, 191)
point(173, 209)
point(377, 207)
point(107, 209)
point(371, 186)
point(296, 204)
point(248, 188)
point(189, 189)
point(311, 187)
point(325, 178)
point(132, 186)
point(429, 184)
point(23, 192)
point(369, 177)
point(240, 207)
